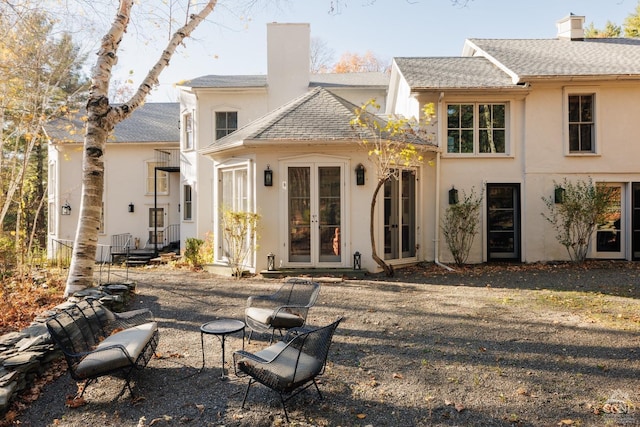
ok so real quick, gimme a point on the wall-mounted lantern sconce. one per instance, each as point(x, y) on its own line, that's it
point(360, 174)
point(271, 262)
point(357, 261)
point(268, 177)
point(131, 207)
point(453, 196)
point(65, 209)
point(558, 194)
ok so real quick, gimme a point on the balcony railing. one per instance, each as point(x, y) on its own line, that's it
point(168, 159)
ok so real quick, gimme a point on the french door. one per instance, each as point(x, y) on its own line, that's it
point(503, 222)
point(400, 216)
point(315, 214)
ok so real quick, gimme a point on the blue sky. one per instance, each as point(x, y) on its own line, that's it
point(234, 44)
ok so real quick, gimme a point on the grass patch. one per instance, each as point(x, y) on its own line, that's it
point(616, 312)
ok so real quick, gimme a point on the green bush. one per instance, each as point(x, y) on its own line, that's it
point(192, 251)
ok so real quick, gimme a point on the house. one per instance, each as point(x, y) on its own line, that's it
point(514, 119)
point(142, 193)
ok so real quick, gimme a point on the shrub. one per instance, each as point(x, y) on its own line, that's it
point(583, 206)
point(460, 226)
point(192, 251)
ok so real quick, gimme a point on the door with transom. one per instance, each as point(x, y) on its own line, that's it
point(315, 214)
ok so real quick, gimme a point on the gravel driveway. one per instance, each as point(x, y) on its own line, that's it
point(486, 346)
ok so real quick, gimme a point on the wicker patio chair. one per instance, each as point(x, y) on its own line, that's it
point(287, 308)
point(289, 366)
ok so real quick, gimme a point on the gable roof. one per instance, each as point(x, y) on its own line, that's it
point(152, 122)
point(318, 115)
point(526, 59)
point(452, 73)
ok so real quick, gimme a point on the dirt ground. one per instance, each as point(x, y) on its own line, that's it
point(541, 345)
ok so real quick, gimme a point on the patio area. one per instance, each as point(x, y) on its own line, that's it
point(436, 350)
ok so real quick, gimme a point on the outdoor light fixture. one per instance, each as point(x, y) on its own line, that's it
point(453, 196)
point(65, 209)
point(131, 207)
point(360, 174)
point(268, 177)
point(558, 194)
point(271, 262)
point(357, 261)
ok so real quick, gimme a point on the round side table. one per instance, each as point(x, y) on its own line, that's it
point(221, 328)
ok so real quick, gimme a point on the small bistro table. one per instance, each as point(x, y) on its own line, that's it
point(221, 328)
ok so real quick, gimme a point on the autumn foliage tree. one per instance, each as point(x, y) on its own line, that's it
point(40, 78)
point(354, 63)
point(393, 145)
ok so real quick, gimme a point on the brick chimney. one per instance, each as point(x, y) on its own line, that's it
point(288, 61)
point(571, 28)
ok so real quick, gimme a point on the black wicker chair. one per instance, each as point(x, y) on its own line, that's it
point(285, 309)
point(289, 366)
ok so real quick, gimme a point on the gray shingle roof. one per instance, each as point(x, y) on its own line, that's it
point(375, 79)
point(322, 79)
point(216, 81)
point(153, 122)
point(559, 58)
point(318, 115)
point(452, 73)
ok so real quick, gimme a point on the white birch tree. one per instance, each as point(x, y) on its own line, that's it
point(102, 117)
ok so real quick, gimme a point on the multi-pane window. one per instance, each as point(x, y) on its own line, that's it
point(476, 128)
point(188, 203)
point(581, 123)
point(226, 122)
point(187, 126)
point(157, 180)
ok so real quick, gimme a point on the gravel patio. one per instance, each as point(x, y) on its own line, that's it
point(493, 346)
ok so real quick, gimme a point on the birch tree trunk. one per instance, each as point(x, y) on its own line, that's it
point(102, 118)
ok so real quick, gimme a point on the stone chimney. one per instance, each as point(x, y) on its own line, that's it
point(288, 61)
point(571, 28)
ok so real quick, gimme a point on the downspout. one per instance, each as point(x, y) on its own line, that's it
point(436, 230)
point(436, 245)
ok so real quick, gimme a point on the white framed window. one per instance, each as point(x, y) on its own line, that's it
point(157, 180)
point(226, 122)
point(581, 123)
point(187, 203)
point(478, 128)
point(581, 131)
point(187, 131)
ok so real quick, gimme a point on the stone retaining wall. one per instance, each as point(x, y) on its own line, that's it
point(28, 353)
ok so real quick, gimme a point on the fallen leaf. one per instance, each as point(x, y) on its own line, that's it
point(396, 375)
point(565, 423)
point(459, 407)
point(74, 402)
point(522, 391)
point(361, 416)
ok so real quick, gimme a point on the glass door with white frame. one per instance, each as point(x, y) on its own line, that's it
point(315, 214)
